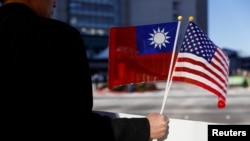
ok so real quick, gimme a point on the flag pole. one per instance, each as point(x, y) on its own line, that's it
point(171, 66)
point(169, 79)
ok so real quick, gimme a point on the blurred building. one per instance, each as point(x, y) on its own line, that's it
point(237, 62)
point(93, 18)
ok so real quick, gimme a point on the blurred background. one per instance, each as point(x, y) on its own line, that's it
point(226, 22)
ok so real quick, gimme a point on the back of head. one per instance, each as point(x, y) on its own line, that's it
point(2, 1)
point(5, 1)
point(43, 8)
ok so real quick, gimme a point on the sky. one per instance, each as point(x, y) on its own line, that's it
point(229, 24)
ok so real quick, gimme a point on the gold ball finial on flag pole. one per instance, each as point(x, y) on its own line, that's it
point(191, 18)
point(179, 18)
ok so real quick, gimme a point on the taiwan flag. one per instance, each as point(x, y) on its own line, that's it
point(140, 53)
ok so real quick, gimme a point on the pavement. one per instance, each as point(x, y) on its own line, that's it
point(182, 101)
point(180, 88)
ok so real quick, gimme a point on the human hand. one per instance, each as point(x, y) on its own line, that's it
point(158, 125)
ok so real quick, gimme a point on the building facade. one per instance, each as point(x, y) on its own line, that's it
point(93, 18)
point(90, 17)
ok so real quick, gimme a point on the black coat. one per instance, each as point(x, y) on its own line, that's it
point(46, 89)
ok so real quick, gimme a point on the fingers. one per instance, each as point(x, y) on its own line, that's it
point(159, 125)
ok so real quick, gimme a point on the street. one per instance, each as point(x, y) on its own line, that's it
point(184, 101)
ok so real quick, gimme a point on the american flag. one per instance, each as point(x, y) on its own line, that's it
point(200, 62)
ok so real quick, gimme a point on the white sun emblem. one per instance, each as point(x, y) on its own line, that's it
point(159, 38)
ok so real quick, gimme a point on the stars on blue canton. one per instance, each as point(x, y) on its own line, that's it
point(197, 43)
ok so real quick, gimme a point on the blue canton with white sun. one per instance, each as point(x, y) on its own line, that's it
point(156, 38)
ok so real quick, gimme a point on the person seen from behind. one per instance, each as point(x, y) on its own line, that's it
point(46, 89)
